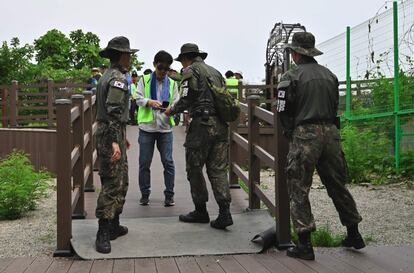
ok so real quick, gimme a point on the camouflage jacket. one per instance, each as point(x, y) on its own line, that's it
point(307, 93)
point(112, 102)
point(195, 92)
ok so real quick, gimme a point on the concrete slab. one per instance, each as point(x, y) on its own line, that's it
point(166, 236)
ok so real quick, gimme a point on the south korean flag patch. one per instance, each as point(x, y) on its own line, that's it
point(119, 84)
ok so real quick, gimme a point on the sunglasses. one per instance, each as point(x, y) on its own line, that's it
point(163, 68)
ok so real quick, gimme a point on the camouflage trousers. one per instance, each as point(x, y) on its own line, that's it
point(114, 175)
point(318, 145)
point(207, 144)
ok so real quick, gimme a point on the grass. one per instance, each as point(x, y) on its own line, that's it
point(322, 237)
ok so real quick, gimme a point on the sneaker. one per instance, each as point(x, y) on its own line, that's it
point(169, 202)
point(144, 201)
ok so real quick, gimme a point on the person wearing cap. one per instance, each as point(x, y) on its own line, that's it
point(307, 104)
point(155, 92)
point(133, 99)
point(206, 140)
point(93, 80)
point(111, 143)
point(238, 75)
point(232, 84)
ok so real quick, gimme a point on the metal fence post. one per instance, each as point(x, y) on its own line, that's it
point(396, 89)
point(281, 191)
point(254, 161)
point(78, 169)
point(13, 104)
point(88, 122)
point(64, 171)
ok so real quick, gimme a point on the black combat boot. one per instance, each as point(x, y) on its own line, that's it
point(353, 238)
point(102, 243)
point(304, 249)
point(224, 218)
point(116, 230)
point(199, 215)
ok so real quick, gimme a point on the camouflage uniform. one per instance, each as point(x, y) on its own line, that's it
point(112, 116)
point(307, 103)
point(207, 137)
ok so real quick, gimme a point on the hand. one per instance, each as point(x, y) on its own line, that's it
point(128, 144)
point(154, 103)
point(116, 152)
point(167, 112)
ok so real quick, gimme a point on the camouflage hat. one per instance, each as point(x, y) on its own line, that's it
point(120, 44)
point(304, 43)
point(190, 48)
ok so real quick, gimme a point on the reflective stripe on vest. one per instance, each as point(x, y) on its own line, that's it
point(145, 114)
point(233, 82)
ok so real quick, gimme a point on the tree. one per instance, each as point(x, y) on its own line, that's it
point(15, 62)
point(54, 50)
point(85, 49)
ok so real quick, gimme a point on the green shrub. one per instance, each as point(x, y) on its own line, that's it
point(322, 237)
point(366, 152)
point(20, 185)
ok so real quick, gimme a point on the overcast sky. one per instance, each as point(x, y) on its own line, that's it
point(234, 33)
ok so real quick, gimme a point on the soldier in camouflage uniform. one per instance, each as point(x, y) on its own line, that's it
point(207, 138)
point(307, 103)
point(112, 116)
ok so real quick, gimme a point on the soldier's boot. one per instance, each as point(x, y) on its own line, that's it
point(199, 215)
point(116, 230)
point(304, 249)
point(353, 238)
point(103, 243)
point(224, 218)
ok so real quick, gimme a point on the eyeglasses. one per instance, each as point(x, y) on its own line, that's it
point(163, 68)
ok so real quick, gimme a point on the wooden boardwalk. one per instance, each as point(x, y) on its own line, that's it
point(184, 204)
point(372, 260)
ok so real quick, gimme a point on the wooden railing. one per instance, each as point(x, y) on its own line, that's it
point(76, 156)
point(279, 207)
point(22, 106)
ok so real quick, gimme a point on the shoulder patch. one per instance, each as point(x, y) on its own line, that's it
point(119, 83)
point(283, 84)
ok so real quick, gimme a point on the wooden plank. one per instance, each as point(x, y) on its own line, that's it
point(74, 113)
point(75, 155)
point(271, 264)
point(264, 155)
point(243, 107)
point(398, 253)
point(209, 264)
point(318, 266)
point(187, 265)
point(293, 264)
point(241, 141)
point(265, 199)
point(145, 266)
point(75, 198)
point(166, 265)
point(4, 262)
point(250, 264)
point(335, 264)
point(19, 264)
point(60, 266)
point(378, 256)
point(230, 265)
point(81, 267)
point(264, 114)
point(358, 259)
point(124, 266)
point(39, 265)
point(240, 173)
point(102, 266)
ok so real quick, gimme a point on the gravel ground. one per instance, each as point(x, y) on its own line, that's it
point(32, 235)
point(387, 211)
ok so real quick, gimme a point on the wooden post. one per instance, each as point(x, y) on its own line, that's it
point(233, 178)
point(88, 156)
point(4, 116)
point(64, 171)
point(50, 115)
point(13, 104)
point(281, 191)
point(78, 168)
point(254, 161)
